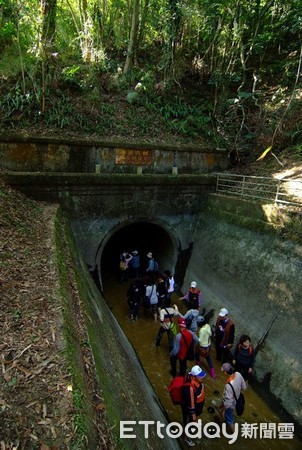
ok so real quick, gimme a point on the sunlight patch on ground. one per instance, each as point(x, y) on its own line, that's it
point(293, 172)
point(274, 215)
point(291, 188)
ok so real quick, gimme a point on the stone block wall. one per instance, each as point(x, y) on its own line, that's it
point(33, 154)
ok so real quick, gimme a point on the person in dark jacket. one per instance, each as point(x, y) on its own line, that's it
point(135, 294)
point(244, 357)
point(193, 395)
point(224, 336)
point(161, 290)
point(193, 298)
point(135, 264)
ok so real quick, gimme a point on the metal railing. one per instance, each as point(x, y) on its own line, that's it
point(271, 190)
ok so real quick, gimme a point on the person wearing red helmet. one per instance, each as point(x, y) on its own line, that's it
point(183, 342)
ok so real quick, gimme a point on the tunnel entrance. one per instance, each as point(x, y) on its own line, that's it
point(144, 237)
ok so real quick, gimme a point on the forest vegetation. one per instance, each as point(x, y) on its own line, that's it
point(223, 74)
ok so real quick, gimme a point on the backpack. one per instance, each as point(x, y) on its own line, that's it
point(240, 402)
point(193, 299)
point(190, 348)
point(155, 266)
point(189, 321)
point(123, 265)
point(175, 389)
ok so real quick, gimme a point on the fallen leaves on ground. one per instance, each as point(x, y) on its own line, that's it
point(35, 403)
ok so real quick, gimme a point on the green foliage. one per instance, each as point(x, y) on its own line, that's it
point(58, 115)
point(79, 417)
point(12, 383)
point(15, 102)
point(7, 23)
point(297, 149)
point(181, 117)
point(220, 48)
point(61, 114)
point(7, 31)
point(71, 75)
point(81, 76)
point(132, 97)
point(10, 64)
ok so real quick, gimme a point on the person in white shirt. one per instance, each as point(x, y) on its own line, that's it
point(170, 283)
point(151, 294)
point(167, 325)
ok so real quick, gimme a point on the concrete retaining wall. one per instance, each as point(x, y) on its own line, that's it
point(31, 154)
point(256, 275)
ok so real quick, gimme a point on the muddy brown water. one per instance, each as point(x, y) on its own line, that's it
point(155, 361)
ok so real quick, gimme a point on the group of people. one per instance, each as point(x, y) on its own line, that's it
point(131, 266)
point(193, 396)
point(189, 338)
point(194, 328)
point(149, 288)
point(151, 294)
point(237, 363)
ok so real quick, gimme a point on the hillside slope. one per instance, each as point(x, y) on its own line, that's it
point(37, 400)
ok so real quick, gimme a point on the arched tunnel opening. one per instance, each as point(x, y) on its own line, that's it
point(141, 236)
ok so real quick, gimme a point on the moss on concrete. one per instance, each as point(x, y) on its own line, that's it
point(123, 385)
point(266, 218)
point(82, 406)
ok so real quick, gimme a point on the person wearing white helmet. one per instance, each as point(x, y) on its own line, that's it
point(224, 336)
point(193, 297)
point(193, 398)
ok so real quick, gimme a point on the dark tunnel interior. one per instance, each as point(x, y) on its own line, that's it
point(141, 236)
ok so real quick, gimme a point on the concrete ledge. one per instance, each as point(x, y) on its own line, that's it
point(25, 153)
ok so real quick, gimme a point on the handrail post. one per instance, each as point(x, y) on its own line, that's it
point(277, 191)
point(242, 186)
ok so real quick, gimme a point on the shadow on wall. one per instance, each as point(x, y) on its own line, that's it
point(182, 263)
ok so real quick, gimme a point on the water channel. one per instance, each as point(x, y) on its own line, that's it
point(155, 361)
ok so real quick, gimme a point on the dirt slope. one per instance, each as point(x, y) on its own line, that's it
point(36, 404)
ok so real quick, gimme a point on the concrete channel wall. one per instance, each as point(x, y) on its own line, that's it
point(255, 273)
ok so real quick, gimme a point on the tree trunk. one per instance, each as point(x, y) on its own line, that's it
point(49, 10)
point(132, 47)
